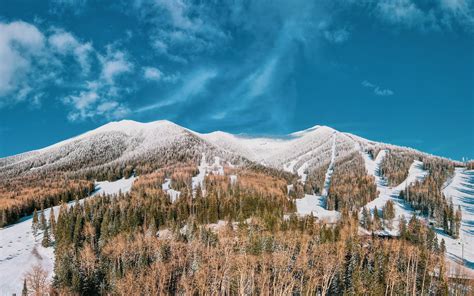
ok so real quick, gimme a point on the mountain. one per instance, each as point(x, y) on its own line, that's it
point(317, 187)
point(133, 142)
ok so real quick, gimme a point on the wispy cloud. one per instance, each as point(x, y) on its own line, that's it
point(154, 74)
point(194, 85)
point(378, 90)
point(333, 34)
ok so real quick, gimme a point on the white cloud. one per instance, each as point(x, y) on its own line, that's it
point(435, 15)
point(114, 64)
point(31, 61)
point(94, 100)
point(20, 44)
point(378, 91)
point(400, 11)
point(65, 43)
point(99, 97)
point(151, 73)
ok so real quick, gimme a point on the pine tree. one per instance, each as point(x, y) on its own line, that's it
point(366, 219)
point(388, 211)
point(402, 227)
point(52, 222)
point(35, 222)
point(43, 224)
point(24, 292)
point(46, 239)
point(376, 221)
point(442, 247)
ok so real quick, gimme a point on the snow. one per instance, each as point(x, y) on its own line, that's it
point(20, 249)
point(386, 193)
point(205, 169)
point(198, 180)
point(174, 194)
point(122, 185)
point(461, 191)
point(330, 171)
point(233, 179)
point(279, 152)
point(315, 205)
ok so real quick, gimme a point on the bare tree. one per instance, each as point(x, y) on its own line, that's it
point(37, 281)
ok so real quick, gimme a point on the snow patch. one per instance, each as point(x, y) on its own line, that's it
point(174, 194)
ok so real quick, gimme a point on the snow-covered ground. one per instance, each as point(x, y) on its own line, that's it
point(386, 193)
point(205, 169)
point(316, 204)
point(20, 249)
point(461, 190)
point(122, 185)
point(174, 194)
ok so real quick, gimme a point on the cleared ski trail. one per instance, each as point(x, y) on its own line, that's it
point(386, 193)
point(461, 191)
point(316, 204)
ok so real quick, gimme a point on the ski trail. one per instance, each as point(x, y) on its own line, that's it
point(315, 205)
point(386, 193)
point(461, 191)
point(330, 171)
point(20, 249)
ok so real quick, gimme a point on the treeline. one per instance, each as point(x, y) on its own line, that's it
point(351, 187)
point(427, 196)
point(395, 166)
point(315, 181)
point(110, 247)
point(470, 165)
point(20, 196)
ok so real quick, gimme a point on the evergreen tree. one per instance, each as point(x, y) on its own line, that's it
point(43, 224)
point(24, 292)
point(376, 221)
point(366, 219)
point(52, 222)
point(35, 222)
point(442, 247)
point(402, 227)
point(388, 211)
point(46, 239)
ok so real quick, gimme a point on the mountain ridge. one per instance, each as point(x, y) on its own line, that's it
point(132, 140)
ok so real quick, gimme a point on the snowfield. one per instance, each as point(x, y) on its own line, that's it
point(20, 249)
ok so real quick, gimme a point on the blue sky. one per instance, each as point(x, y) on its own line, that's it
point(398, 71)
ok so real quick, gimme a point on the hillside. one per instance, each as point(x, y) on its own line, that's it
point(184, 186)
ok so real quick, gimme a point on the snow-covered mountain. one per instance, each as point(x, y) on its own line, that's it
point(130, 141)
